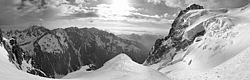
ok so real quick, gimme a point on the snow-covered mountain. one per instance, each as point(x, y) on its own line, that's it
point(205, 43)
point(55, 53)
point(167, 47)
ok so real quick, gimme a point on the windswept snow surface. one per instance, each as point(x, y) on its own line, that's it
point(236, 68)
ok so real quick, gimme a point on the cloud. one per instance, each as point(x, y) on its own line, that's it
point(205, 3)
point(21, 11)
point(32, 11)
point(128, 14)
point(170, 3)
point(84, 14)
point(175, 3)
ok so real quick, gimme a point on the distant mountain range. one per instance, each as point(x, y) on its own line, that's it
point(55, 53)
point(147, 40)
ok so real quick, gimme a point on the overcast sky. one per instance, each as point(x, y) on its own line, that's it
point(117, 16)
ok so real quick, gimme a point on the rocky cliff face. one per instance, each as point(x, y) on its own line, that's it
point(209, 41)
point(186, 28)
point(55, 53)
point(167, 47)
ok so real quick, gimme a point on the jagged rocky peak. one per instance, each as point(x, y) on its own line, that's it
point(191, 23)
point(55, 53)
point(167, 47)
point(194, 6)
point(35, 27)
point(32, 31)
point(191, 7)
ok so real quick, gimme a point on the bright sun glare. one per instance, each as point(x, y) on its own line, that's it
point(120, 7)
point(117, 9)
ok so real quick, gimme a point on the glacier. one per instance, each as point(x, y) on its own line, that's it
point(220, 54)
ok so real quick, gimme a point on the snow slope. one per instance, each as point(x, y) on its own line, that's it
point(221, 54)
point(10, 72)
point(119, 68)
point(237, 68)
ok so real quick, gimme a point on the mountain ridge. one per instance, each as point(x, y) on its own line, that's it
point(66, 50)
point(173, 41)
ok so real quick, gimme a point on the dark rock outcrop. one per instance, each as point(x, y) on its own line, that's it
point(1, 36)
point(167, 47)
point(191, 7)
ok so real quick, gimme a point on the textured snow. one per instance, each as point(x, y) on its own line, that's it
point(237, 68)
point(221, 54)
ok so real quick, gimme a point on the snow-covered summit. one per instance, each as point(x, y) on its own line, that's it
point(121, 67)
point(201, 41)
point(122, 62)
